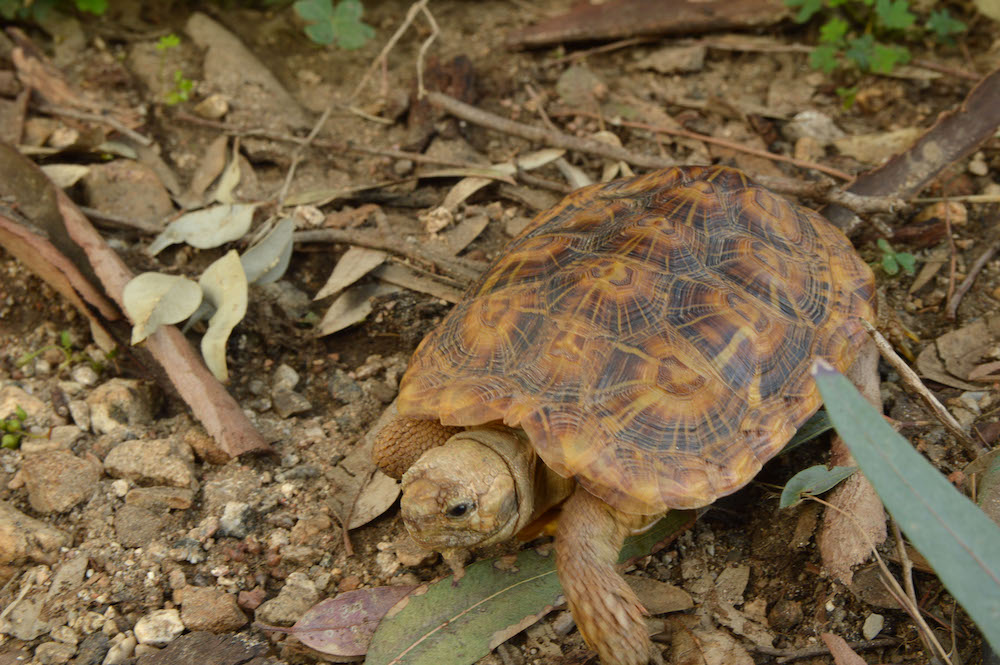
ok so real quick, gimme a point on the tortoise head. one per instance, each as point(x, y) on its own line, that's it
point(473, 490)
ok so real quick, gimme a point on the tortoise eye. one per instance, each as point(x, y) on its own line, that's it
point(460, 509)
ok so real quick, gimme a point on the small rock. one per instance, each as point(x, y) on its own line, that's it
point(412, 555)
point(873, 626)
point(731, 584)
point(978, 165)
point(92, 650)
point(160, 498)
point(284, 378)
point(79, 411)
point(808, 149)
point(515, 225)
point(785, 615)
point(25, 538)
point(251, 600)
point(954, 211)
point(205, 447)
point(296, 596)
point(57, 480)
point(84, 375)
point(402, 167)
point(59, 437)
point(128, 189)
point(137, 527)
point(213, 107)
point(157, 462)
point(24, 621)
point(288, 402)
point(579, 87)
point(202, 648)
point(386, 563)
point(120, 651)
point(159, 627)
point(343, 388)
point(674, 59)
point(877, 148)
point(68, 579)
point(120, 403)
point(814, 125)
point(12, 398)
point(119, 487)
point(213, 610)
point(237, 521)
point(65, 634)
point(54, 653)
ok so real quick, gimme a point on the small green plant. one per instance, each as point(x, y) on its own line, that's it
point(181, 90)
point(340, 25)
point(892, 261)
point(13, 429)
point(867, 34)
point(70, 355)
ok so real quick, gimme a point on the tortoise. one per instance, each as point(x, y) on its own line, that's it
point(645, 345)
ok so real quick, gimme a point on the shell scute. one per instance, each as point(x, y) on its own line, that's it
point(652, 336)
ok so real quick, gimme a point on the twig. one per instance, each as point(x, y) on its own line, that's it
point(951, 311)
point(660, 129)
point(98, 118)
point(384, 53)
point(604, 48)
point(423, 48)
point(968, 198)
point(904, 561)
point(913, 382)
point(953, 260)
point(913, 610)
point(300, 154)
point(945, 69)
point(788, 655)
point(348, 547)
point(460, 269)
point(492, 121)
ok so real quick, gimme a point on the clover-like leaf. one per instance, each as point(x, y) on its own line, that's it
point(206, 228)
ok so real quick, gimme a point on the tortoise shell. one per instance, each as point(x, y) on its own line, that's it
point(652, 336)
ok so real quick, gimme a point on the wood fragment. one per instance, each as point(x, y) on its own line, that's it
point(951, 311)
point(789, 655)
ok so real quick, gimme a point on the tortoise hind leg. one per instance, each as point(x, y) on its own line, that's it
point(401, 443)
point(589, 538)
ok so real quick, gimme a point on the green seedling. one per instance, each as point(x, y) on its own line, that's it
point(892, 261)
point(183, 86)
point(70, 355)
point(13, 429)
point(38, 10)
point(340, 25)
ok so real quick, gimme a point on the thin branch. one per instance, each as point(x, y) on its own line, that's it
point(913, 382)
point(660, 129)
point(495, 122)
point(951, 311)
point(788, 655)
point(98, 118)
point(384, 53)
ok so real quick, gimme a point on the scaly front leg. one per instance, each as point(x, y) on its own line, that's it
point(589, 538)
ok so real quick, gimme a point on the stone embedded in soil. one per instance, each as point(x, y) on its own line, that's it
point(205, 447)
point(25, 538)
point(287, 403)
point(54, 653)
point(296, 596)
point(137, 527)
point(79, 411)
point(157, 462)
point(58, 480)
point(785, 615)
point(120, 403)
point(284, 378)
point(160, 498)
point(13, 397)
point(343, 388)
point(127, 189)
point(209, 609)
point(24, 621)
point(59, 437)
point(237, 521)
point(159, 627)
point(92, 649)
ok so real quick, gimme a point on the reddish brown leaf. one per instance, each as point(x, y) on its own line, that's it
point(343, 626)
point(841, 651)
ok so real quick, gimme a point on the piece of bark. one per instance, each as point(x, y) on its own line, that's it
point(68, 238)
point(955, 135)
point(636, 18)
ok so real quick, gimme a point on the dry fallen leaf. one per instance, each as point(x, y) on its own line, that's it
point(343, 626)
point(225, 286)
point(206, 228)
point(351, 307)
point(355, 263)
point(154, 299)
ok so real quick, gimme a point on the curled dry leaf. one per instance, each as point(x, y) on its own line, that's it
point(65, 175)
point(268, 260)
point(343, 626)
point(376, 496)
point(213, 161)
point(230, 177)
point(225, 286)
point(153, 299)
point(206, 228)
point(352, 266)
point(352, 307)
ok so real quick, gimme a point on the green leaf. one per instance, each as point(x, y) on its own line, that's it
point(907, 261)
point(885, 58)
point(889, 264)
point(847, 96)
point(351, 32)
point(10, 441)
point(807, 8)
point(944, 26)
point(167, 42)
point(314, 11)
point(819, 424)
point(321, 33)
point(459, 623)
point(20, 413)
point(958, 540)
point(833, 31)
point(96, 7)
point(812, 482)
point(859, 50)
point(894, 14)
point(824, 58)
